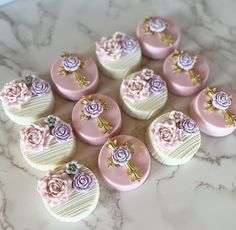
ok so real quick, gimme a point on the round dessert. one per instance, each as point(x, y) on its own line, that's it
point(70, 192)
point(124, 162)
point(158, 37)
point(185, 73)
point(143, 94)
point(47, 143)
point(75, 75)
point(173, 138)
point(27, 99)
point(118, 55)
point(96, 118)
point(214, 109)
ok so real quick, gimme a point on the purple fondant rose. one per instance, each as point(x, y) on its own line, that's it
point(82, 182)
point(157, 25)
point(121, 155)
point(167, 134)
point(93, 108)
point(15, 94)
point(71, 63)
point(186, 62)
point(40, 87)
point(221, 100)
point(55, 188)
point(62, 132)
point(157, 85)
point(129, 44)
point(188, 126)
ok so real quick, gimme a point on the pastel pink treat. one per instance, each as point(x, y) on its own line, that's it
point(96, 118)
point(75, 75)
point(214, 109)
point(158, 37)
point(186, 73)
point(124, 162)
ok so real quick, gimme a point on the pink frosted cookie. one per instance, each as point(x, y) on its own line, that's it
point(47, 143)
point(118, 55)
point(96, 118)
point(158, 37)
point(185, 73)
point(75, 75)
point(143, 94)
point(27, 99)
point(70, 192)
point(124, 162)
point(214, 109)
point(173, 138)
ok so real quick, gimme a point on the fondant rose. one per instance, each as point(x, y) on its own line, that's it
point(51, 120)
point(157, 85)
point(55, 188)
point(221, 100)
point(176, 116)
point(167, 134)
point(109, 48)
point(157, 25)
point(137, 88)
point(72, 167)
point(129, 44)
point(40, 87)
point(82, 182)
point(121, 156)
point(189, 126)
point(186, 62)
point(62, 132)
point(35, 137)
point(71, 63)
point(118, 36)
point(15, 94)
point(147, 73)
point(93, 108)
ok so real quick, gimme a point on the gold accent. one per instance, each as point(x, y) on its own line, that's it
point(131, 170)
point(103, 125)
point(194, 76)
point(167, 39)
point(80, 78)
point(228, 116)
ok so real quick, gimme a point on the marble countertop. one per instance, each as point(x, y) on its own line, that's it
point(198, 195)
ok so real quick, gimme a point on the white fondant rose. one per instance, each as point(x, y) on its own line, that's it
point(186, 62)
point(221, 100)
point(157, 25)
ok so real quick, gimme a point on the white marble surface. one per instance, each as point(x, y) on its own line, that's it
point(198, 195)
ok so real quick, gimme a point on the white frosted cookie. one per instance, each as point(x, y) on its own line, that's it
point(47, 143)
point(173, 138)
point(27, 99)
point(143, 94)
point(70, 192)
point(118, 55)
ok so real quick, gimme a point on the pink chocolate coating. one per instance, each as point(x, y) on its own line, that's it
point(152, 45)
point(68, 87)
point(88, 130)
point(117, 177)
point(211, 123)
point(180, 83)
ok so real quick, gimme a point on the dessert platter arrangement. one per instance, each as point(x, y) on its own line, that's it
point(70, 190)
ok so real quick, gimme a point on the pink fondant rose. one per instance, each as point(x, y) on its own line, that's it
point(15, 94)
point(137, 88)
point(109, 48)
point(55, 188)
point(35, 137)
point(167, 134)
